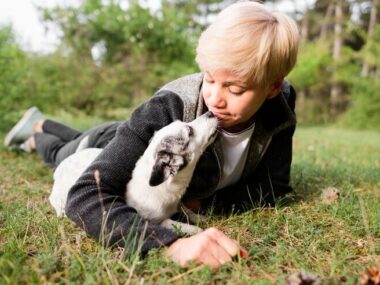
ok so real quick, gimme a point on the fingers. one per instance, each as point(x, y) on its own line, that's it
point(211, 261)
point(225, 242)
point(211, 247)
point(243, 252)
point(219, 253)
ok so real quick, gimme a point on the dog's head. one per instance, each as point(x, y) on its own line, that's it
point(181, 144)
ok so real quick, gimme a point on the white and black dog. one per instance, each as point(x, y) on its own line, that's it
point(161, 175)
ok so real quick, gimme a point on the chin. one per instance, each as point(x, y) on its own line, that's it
point(235, 126)
point(224, 125)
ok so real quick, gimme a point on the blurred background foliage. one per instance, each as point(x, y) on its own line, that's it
point(115, 54)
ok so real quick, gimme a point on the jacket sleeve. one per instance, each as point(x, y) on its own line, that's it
point(270, 179)
point(97, 203)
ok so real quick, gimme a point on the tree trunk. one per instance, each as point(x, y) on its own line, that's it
point(305, 27)
point(338, 30)
point(301, 97)
point(326, 21)
point(336, 96)
point(371, 28)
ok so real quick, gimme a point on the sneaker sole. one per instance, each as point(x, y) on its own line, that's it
point(12, 133)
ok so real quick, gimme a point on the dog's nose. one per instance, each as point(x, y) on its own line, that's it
point(210, 114)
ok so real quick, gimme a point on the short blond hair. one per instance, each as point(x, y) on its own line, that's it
point(252, 42)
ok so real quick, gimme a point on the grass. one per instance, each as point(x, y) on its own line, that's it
point(335, 241)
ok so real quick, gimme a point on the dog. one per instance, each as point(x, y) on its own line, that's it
point(160, 177)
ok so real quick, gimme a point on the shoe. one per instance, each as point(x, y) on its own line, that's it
point(24, 128)
point(26, 146)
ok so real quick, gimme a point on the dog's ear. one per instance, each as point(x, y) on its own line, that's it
point(160, 173)
point(161, 169)
point(166, 164)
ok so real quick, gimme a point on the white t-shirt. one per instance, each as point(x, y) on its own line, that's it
point(235, 150)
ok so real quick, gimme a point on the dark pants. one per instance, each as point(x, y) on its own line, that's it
point(58, 141)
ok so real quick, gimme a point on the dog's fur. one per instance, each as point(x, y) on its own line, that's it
point(160, 177)
point(67, 173)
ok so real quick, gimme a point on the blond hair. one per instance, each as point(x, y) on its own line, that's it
point(250, 41)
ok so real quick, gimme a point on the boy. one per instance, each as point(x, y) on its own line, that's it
point(244, 56)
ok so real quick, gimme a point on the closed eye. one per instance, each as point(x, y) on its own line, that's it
point(236, 90)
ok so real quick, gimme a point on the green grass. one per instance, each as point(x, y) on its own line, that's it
point(335, 241)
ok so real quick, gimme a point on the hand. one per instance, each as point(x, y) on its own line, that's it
point(211, 247)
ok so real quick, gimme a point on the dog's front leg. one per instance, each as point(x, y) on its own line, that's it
point(191, 215)
point(183, 227)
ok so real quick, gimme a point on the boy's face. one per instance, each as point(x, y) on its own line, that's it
point(232, 100)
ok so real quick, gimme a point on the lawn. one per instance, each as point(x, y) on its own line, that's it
point(335, 241)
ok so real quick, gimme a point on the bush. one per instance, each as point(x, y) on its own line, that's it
point(364, 112)
point(13, 71)
point(141, 52)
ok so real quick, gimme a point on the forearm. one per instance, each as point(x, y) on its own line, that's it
point(97, 204)
point(111, 223)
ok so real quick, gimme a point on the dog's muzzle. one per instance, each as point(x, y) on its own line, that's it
point(210, 114)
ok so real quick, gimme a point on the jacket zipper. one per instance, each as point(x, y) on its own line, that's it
point(265, 149)
point(219, 166)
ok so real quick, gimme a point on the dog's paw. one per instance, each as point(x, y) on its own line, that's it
point(190, 229)
point(181, 228)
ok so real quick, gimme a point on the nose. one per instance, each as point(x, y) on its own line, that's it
point(216, 97)
point(210, 114)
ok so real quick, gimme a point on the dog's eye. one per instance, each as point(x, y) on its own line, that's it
point(164, 155)
point(190, 130)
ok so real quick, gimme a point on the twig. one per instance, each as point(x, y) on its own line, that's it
point(185, 273)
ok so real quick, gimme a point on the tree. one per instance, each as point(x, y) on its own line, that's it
point(118, 33)
point(371, 29)
point(337, 99)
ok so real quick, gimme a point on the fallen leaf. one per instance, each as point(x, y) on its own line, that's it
point(357, 190)
point(330, 195)
point(361, 243)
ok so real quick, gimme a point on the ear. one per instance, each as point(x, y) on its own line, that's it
point(274, 90)
point(160, 173)
point(167, 164)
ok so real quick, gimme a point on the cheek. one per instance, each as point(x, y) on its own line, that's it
point(241, 108)
point(205, 95)
point(250, 105)
point(246, 113)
